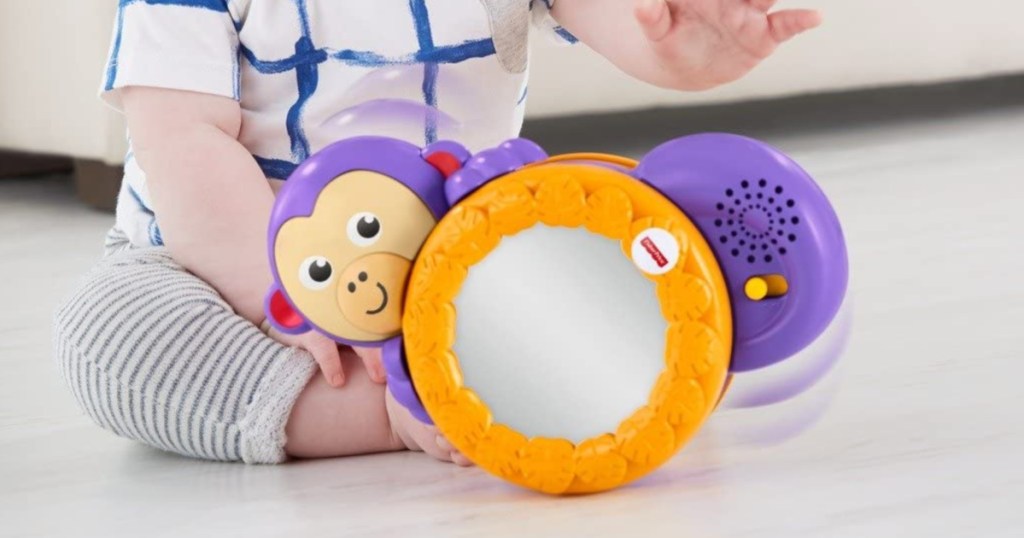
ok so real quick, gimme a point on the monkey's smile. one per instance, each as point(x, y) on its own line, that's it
point(383, 303)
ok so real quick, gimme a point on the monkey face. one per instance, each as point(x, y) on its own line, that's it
point(345, 266)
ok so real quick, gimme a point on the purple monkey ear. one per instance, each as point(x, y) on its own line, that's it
point(281, 315)
point(446, 155)
point(491, 164)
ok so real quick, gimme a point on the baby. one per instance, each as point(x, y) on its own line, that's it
point(165, 341)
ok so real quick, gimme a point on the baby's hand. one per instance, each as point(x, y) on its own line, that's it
point(323, 349)
point(373, 361)
point(325, 353)
point(711, 42)
point(421, 437)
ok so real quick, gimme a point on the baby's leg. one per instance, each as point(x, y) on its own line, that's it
point(324, 418)
point(154, 354)
point(361, 406)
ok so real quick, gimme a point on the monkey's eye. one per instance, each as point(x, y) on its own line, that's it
point(315, 273)
point(364, 229)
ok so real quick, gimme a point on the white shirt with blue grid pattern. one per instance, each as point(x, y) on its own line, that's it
point(309, 72)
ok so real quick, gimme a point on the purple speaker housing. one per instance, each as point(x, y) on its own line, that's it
point(761, 214)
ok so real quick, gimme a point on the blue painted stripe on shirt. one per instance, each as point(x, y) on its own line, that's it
point(422, 20)
point(565, 35)
point(272, 67)
point(115, 50)
point(300, 5)
point(450, 54)
point(155, 237)
point(275, 168)
point(425, 38)
point(307, 77)
point(526, 89)
point(365, 58)
point(236, 62)
point(138, 199)
point(220, 6)
point(236, 83)
point(430, 97)
point(447, 54)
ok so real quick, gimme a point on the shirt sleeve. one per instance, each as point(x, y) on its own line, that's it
point(543, 21)
point(175, 44)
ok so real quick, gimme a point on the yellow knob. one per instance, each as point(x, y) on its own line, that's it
point(763, 286)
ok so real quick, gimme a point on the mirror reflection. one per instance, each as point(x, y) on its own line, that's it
point(559, 333)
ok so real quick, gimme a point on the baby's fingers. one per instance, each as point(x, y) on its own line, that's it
point(786, 24)
point(654, 17)
point(453, 454)
point(373, 361)
point(763, 5)
point(325, 352)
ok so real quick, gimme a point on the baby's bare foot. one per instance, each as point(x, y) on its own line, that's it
point(421, 437)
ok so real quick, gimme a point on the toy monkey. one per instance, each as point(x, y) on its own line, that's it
point(345, 230)
point(347, 227)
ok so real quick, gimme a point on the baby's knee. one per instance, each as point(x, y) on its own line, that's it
point(154, 354)
point(98, 331)
point(75, 327)
point(86, 381)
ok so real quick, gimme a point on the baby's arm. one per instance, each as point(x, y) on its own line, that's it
point(683, 44)
point(212, 198)
point(213, 202)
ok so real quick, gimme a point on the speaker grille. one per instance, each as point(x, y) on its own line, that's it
point(756, 221)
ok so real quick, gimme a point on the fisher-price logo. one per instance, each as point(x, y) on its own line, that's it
point(652, 249)
point(655, 251)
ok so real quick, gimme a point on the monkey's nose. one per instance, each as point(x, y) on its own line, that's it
point(371, 292)
point(363, 277)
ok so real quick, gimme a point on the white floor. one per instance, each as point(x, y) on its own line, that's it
point(919, 433)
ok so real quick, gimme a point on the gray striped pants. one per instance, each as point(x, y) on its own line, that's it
point(154, 354)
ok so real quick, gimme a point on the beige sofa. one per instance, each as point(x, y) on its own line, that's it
point(52, 54)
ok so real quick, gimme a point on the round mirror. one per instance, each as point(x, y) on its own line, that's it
point(567, 327)
point(559, 333)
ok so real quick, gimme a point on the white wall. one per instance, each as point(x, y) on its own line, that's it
point(52, 54)
point(863, 43)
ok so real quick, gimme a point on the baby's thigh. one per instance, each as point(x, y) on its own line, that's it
point(154, 354)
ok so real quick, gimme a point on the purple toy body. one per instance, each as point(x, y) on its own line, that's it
point(758, 210)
